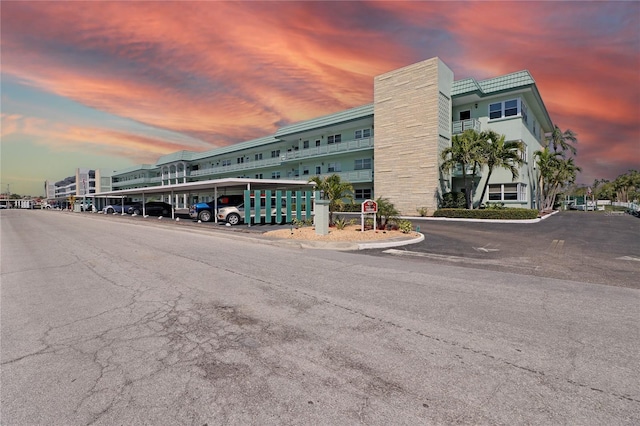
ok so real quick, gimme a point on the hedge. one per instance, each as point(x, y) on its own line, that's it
point(507, 213)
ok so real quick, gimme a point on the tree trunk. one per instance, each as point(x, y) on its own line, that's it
point(486, 185)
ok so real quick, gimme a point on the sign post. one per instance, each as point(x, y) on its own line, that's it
point(368, 207)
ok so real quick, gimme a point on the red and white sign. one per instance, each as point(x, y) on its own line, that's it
point(369, 206)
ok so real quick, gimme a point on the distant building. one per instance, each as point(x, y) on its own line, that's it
point(84, 182)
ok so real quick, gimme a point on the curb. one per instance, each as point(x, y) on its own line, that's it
point(342, 245)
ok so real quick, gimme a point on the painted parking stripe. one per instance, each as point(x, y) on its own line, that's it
point(637, 259)
point(556, 246)
point(468, 260)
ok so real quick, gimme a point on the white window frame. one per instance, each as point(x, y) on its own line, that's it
point(503, 109)
point(521, 192)
point(334, 167)
point(362, 133)
point(337, 138)
point(364, 193)
point(362, 163)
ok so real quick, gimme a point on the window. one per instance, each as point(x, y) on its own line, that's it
point(364, 133)
point(508, 192)
point(510, 108)
point(525, 117)
point(275, 154)
point(226, 163)
point(334, 139)
point(258, 157)
point(318, 142)
point(524, 154)
point(495, 111)
point(363, 194)
point(465, 115)
point(363, 164)
point(318, 170)
point(240, 160)
point(305, 170)
point(275, 175)
point(334, 167)
point(305, 144)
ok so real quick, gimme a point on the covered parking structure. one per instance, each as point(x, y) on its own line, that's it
point(246, 185)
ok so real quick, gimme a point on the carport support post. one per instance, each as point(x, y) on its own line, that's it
point(321, 218)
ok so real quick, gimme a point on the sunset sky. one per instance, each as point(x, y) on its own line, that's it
point(113, 84)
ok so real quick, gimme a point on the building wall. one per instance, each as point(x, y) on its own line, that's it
point(412, 116)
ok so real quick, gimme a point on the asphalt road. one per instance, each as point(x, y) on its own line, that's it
point(128, 322)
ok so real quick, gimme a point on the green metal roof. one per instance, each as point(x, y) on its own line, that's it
point(175, 156)
point(235, 147)
point(504, 83)
point(327, 120)
point(136, 168)
point(497, 84)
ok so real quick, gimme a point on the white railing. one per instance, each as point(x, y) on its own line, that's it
point(631, 206)
point(353, 145)
point(457, 171)
point(460, 126)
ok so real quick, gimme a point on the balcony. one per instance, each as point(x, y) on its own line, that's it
point(460, 126)
point(138, 181)
point(319, 151)
point(457, 171)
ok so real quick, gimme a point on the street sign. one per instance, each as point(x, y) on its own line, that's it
point(369, 206)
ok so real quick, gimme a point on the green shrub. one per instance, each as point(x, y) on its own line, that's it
point(340, 223)
point(500, 213)
point(453, 200)
point(404, 225)
point(422, 211)
point(495, 206)
point(299, 223)
point(349, 208)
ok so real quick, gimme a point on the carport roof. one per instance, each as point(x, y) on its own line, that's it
point(240, 183)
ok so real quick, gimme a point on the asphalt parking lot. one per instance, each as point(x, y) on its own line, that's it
point(594, 247)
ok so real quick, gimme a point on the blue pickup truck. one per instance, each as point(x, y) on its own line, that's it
point(204, 211)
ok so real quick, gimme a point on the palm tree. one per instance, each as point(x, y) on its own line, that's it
point(562, 141)
point(335, 190)
point(465, 151)
point(386, 212)
point(500, 154)
point(556, 173)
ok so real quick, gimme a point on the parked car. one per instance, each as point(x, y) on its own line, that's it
point(119, 208)
point(204, 211)
point(234, 215)
point(152, 208)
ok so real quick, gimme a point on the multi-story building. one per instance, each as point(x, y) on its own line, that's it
point(390, 148)
point(84, 182)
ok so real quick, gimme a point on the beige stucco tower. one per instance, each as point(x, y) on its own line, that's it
point(412, 122)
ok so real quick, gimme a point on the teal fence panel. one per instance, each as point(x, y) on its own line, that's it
point(298, 205)
point(268, 209)
point(247, 206)
point(308, 204)
point(289, 206)
point(257, 202)
point(278, 206)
